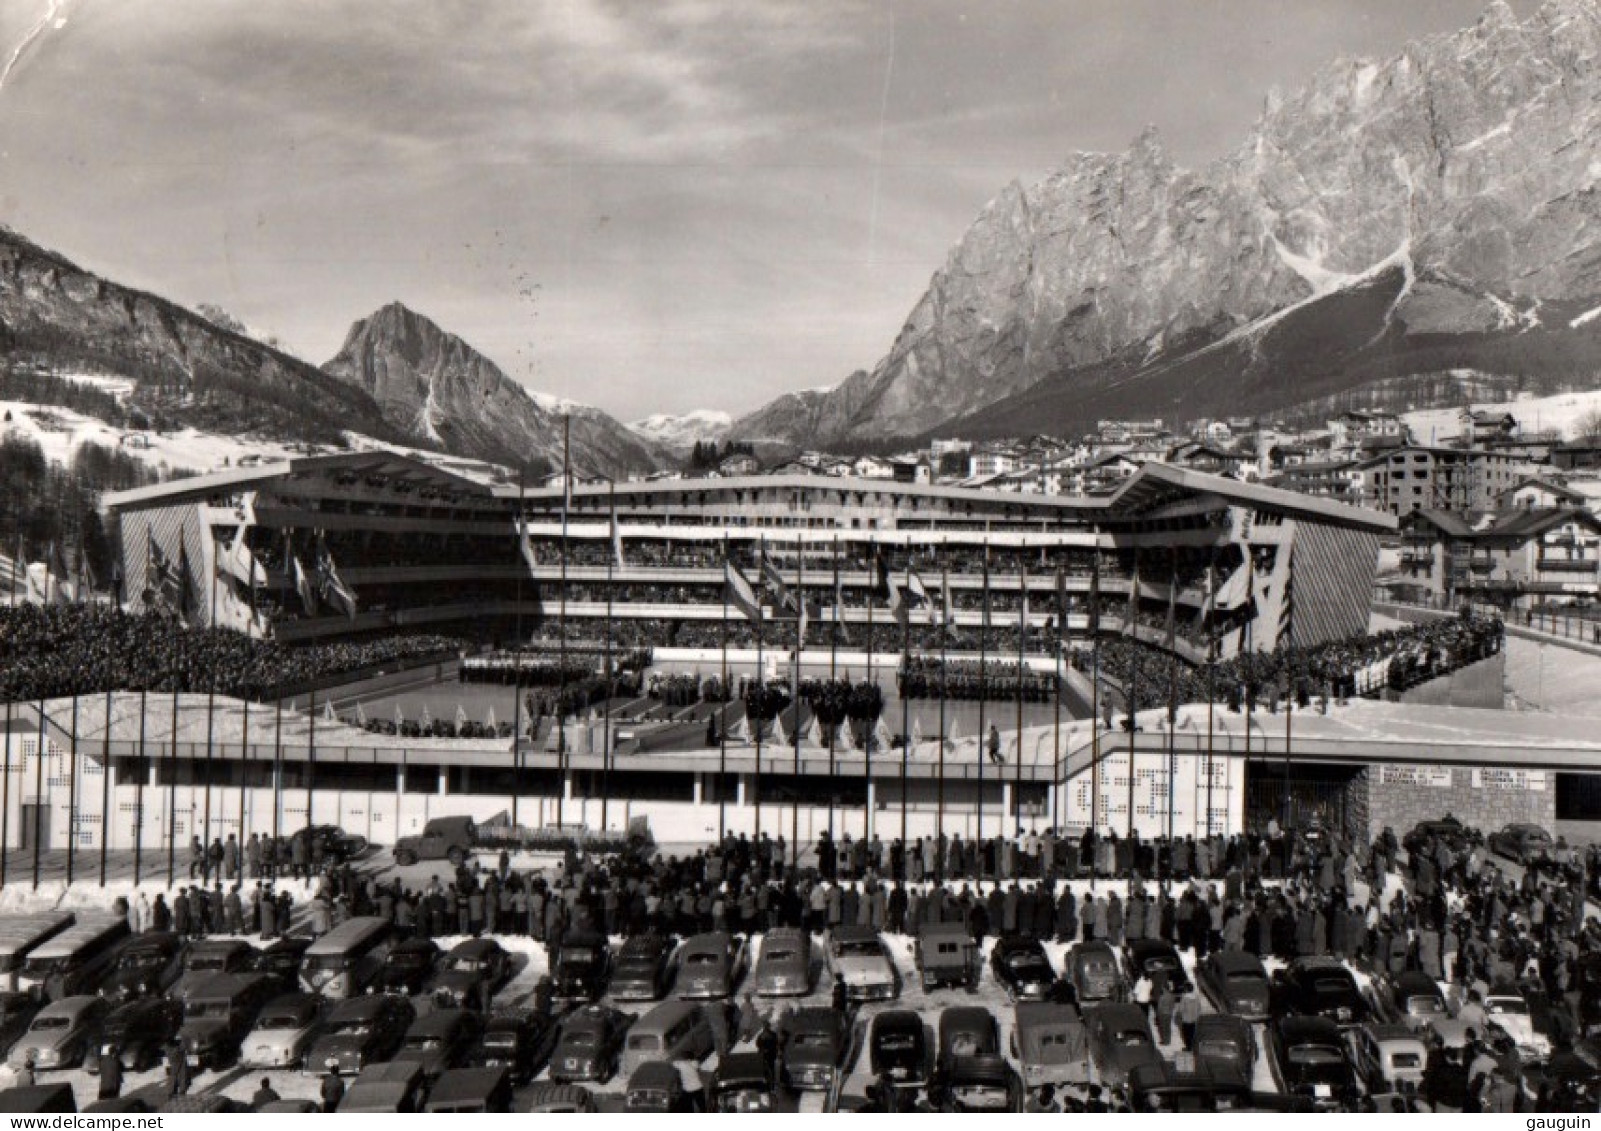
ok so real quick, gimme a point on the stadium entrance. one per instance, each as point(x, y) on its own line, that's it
point(1296, 793)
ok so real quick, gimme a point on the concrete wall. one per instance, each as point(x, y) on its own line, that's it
point(1481, 685)
point(1400, 796)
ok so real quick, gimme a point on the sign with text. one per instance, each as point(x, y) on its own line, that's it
point(1432, 777)
point(1521, 781)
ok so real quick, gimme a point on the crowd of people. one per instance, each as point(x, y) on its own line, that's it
point(48, 651)
point(929, 677)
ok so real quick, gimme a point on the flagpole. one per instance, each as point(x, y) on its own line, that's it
point(605, 754)
point(278, 767)
point(1211, 675)
point(1022, 637)
point(1289, 709)
point(867, 739)
point(1131, 629)
point(72, 786)
point(761, 691)
point(944, 679)
point(138, 793)
point(172, 789)
point(983, 691)
point(5, 802)
point(561, 624)
point(833, 676)
point(906, 703)
point(517, 657)
point(1093, 623)
point(311, 763)
point(728, 699)
point(211, 697)
point(105, 792)
point(1172, 703)
point(795, 683)
point(1059, 654)
point(38, 790)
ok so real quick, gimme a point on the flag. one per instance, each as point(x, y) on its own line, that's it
point(740, 593)
point(897, 602)
point(330, 586)
point(917, 731)
point(461, 716)
point(616, 541)
point(779, 737)
point(848, 733)
point(162, 586)
point(427, 716)
point(361, 715)
point(527, 548)
point(1236, 590)
point(774, 581)
point(948, 614)
point(489, 720)
point(185, 595)
point(236, 560)
point(328, 711)
point(1022, 608)
point(303, 586)
point(232, 613)
point(60, 589)
point(740, 731)
point(917, 594)
point(1095, 595)
point(814, 732)
point(400, 719)
point(881, 736)
point(38, 583)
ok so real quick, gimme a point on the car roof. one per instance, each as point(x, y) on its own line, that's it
point(414, 944)
point(221, 946)
point(1033, 1014)
point(561, 1095)
point(359, 1008)
point(71, 1006)
point(438, 1021)
point(1412, 980)
point(639, 946)
point(1387, 1033)
point(743, 1067)
point(1116, 1012)
point(389, 1072)
point(583, 938)
point(220, 985)
point(966, 1014)
point(812, 1019)
point(853, 932)
point(1237, 960)
point(1222, 1021)
point(897, 1019)
point(1300, 1027)
point(475, 946)
point(297, 999)
point(1151, 946)
point(466, 1084)
point(718, 941)
point(656, 1074)
point(978, 1066)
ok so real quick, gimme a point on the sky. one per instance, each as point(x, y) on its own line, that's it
point(652, 205)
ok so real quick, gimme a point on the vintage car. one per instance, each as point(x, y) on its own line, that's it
point(561, 1099)
point(1200, 1089)
point(17, 1010)
point(710, 966)
point(1155, 959)
point(360, 1031)
point(214, 956)
point(1225, 1045)
point(283, 960)
point(1093, 969)
point(330, 842)
point(470, 974)
point(1507, 1009)
point(471, 1091)
point(39, 1099)
point(1021, 968)
point(1120, 1040)
point(946, 955)
point(521, 1043)
point(219, 1012)
point(743, 1083)
point(1236, 983)
point(1310, 1061)
point(1320, 987)
point(1389, 1058)
point(1457, 836)
point(62, 1034)
point(643, 970)
point(284, 1029)
point(1051, 1044)
point(395, 1086)
point(148, 965)
point(442, 838)
point(589, 1045)
point(581, 967)
point(137, 1033)
point(1414, 999)
point(408, 966)
point(657, 1085)
point(1524, 843)
point(858, 957)
point(440, 1039)
point(812, 1043)
point(977, 1082)
point(967, 1030)
point(897, 1047)
point(784, 966)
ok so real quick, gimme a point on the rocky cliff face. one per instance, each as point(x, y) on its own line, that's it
point(432, 386)
point(186, 369)
point(1463, 167)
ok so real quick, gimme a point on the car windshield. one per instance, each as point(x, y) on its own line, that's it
point(272, 1021)
point(425, 1044)
point(896, 1042)
point(1245, 976)
point(863, 948)
point(705, 959)
point(465, 962)
point(577, 954)
point(1425, 1003)
point(1025, 961)
point(409, 959)
point(142, 960)
point(1133, 1037)
point(208, 962)
point(778, 956)
point(56, 1022)
point(1159, 962)
point(354, 1028)
point(327, 963)
point(812, 1040)
point(1501, 1006)
point(207, 1009)
point(583, 1038)
point(1314, 1055)
point(502, 1039)
point(1331, 986)
point(1218, 1047)
point(1406, 1060)
point(643, 1043)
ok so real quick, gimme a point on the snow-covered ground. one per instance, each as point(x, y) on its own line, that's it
point(1551, 678)
point(1561, 412)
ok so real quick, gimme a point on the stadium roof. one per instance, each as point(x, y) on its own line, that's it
point(391, 464)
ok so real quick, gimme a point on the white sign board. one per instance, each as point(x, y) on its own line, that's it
point(1433, 777)
point(1520, 781)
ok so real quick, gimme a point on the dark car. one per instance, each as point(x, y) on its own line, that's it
point(1311, 1061)
point(408, 966)
point(811, 1047)
point(470, 974)
point(710, 965)
point(219, 1012)
point(1021, 967)
point(1120, 1040)
point(643, 970)
point(471, 1091)
point(657, 1086)
point(1093, 970)
point(967, 1030)
point(1566, 1083)
point(743, 1082)
point(1155, 959)
point(897, 1047)
point(442, 838)
point(138, 1032)
point(1320, 987)
point(16, 1011)
point(582, 966)
point(1527, 844)
point(283, 960)
point(1457, 836)
point(1236, 983)
point(1226, 1046)
point(589, 1044)
point(214, 956)
point(359, 1031)
point(1414, 999)
point(978, 1083)
point(440, 1040)
point(1202, 1089)
point(330, 842)
point(521, 1043)
point(147, 966)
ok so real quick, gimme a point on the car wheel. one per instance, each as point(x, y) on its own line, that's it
point(405, 857)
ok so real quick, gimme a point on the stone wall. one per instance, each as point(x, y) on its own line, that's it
point(1401, 796)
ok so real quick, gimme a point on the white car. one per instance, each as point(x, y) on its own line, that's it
point(283, 1031)
point(1508, 1011)
point(858, 958)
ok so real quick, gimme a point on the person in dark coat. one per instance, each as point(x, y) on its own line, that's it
point(333, 1090)
point(263, 1095)
point(110, 1074)
point(177, 1070)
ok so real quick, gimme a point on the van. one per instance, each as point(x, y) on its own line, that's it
point(388, 1088)
point(21, 934)
point(674, 1030)
point(1051, 1044)
point(471, 1090)
point(947, 956)
point(219, 1011)
point(74, 961)
point(345, 961)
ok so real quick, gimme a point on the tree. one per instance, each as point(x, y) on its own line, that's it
point(1587, 429)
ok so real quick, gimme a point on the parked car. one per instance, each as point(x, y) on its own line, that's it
point(784, 966)
point(148, 965)
point(812, 1043)
point(1155, 959)
point(1389, 1058)
point(710, 965)
point(1093, 970)
point(137, 1032)
point(1225, 1045)
point(743, 1083)
point(643, 970)
point(283, 960)
point(589, 1045)
point(1236, 983)
point(443, 838)
point(1120, 1040)
point(1457, 836)
point(219, 1012)
point(978, 1083)
point(393, 1086)
point(61, 1034)
point(897, 1047)
point(440, 1039)
point(857, 956)
point(213, 956)
point(582, 966)
point(469, 976)
point(1309, 1059)
point(946, 955)
point(1508, 1010)
point(471, 1091)
point(1200, 1089)
point(330, 842)
point(1022, 968)
point(1524, 843)
point(1414, 999)
point(1051, 1043)
point(17, 1010)
point(657, 1086)
point(521, 1043)
point(967, 1030)
point(284, 1029)
point(359, 1031)
point(408, 966)
point(561, 1099)
point(1320, 987)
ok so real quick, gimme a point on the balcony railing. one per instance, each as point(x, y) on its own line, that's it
point(1566, 565)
